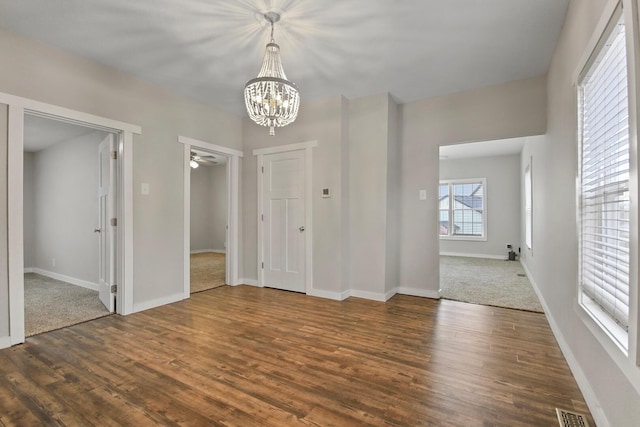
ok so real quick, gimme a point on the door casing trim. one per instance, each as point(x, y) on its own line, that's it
point(233, 209)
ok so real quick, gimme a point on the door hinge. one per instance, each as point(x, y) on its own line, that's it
point(262, 169)
point(114, 289)
point(261, 217)
point(114, 155)
point(263, 265)
point(114, 222)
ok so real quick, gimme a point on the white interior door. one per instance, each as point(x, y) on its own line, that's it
point(106, 231)
point(283, 210)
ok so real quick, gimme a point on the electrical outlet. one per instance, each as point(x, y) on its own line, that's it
point(508, 246)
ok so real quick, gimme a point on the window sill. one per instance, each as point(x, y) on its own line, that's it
point(605, 329)
point(465, 238)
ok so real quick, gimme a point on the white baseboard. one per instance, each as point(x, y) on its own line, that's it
point(250, 282)
point(63, 278)
point(488, 256)
point(426, 293)
point(204, 251)
point(581, 379)
point(337, 296)
point(375, 296)
point(28, 270)
point(147, 305)
point(5, 342)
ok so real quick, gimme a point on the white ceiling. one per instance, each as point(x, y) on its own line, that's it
point(41, 133)
point(209, 49)
point(501, 147)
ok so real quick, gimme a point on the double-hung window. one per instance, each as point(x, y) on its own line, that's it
point(463, 213)
point(603, 184)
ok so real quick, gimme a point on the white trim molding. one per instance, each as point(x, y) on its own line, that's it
point(209, 146)
point(67, 279)
point(285, 148)
point(425, 293)
point(374, 296)
point(250, 282)
point(147, 305)
point(337, 296)
point(486, 256)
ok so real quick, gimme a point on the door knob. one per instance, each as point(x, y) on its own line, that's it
point(301, 228)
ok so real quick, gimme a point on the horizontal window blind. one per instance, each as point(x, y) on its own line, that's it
point(604, 179)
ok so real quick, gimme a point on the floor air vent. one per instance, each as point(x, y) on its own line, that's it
point(571, 419)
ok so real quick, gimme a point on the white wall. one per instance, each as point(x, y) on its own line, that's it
point(64, 200)
point(29, 210)
point(38, 71)
point(502, 203)
point(368, 175)
point(609, 381)
point(218, 183)
point(208, 208)
point(497, 112)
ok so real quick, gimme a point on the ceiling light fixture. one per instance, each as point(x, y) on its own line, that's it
point(271, 99)
point(194, 161)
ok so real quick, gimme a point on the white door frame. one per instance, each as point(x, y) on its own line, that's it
point(18, 106)
point(232, 270)
point(308, 163)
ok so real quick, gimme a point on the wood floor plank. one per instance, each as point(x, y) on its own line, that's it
point(253, 356)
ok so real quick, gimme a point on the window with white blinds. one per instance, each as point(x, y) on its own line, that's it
point(604, 184)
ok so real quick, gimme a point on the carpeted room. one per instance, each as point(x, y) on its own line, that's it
point(208, 221)
point(61, 224)
point(481, 212)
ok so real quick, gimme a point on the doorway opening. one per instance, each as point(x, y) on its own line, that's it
point(481, 224)
point(208, 221)
point(18, 107)
point(211, 215)
point(68, 192)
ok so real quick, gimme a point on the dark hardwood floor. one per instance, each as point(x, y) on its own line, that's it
point(247, 356)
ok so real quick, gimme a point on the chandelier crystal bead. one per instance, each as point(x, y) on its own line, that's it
point(271, 99)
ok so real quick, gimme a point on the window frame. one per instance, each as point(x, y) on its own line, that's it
point(620, 344)
point(528, 205)
point(463, 237)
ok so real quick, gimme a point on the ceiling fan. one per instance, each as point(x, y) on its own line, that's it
point(198, 159)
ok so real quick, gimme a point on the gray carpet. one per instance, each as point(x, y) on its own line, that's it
point(51, 304)
point(487, 282)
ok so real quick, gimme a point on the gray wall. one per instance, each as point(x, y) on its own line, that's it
point(64, 199)
point(373, 185)
point(498, 112)
point(613, 380)
point(29, 210)
point(208, 208)
point(38, 71)
point(503, 203)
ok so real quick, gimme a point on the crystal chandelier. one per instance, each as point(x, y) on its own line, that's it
point(271, 99)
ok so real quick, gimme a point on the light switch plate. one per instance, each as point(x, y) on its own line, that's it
point(423, 195)
point(144, 189)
